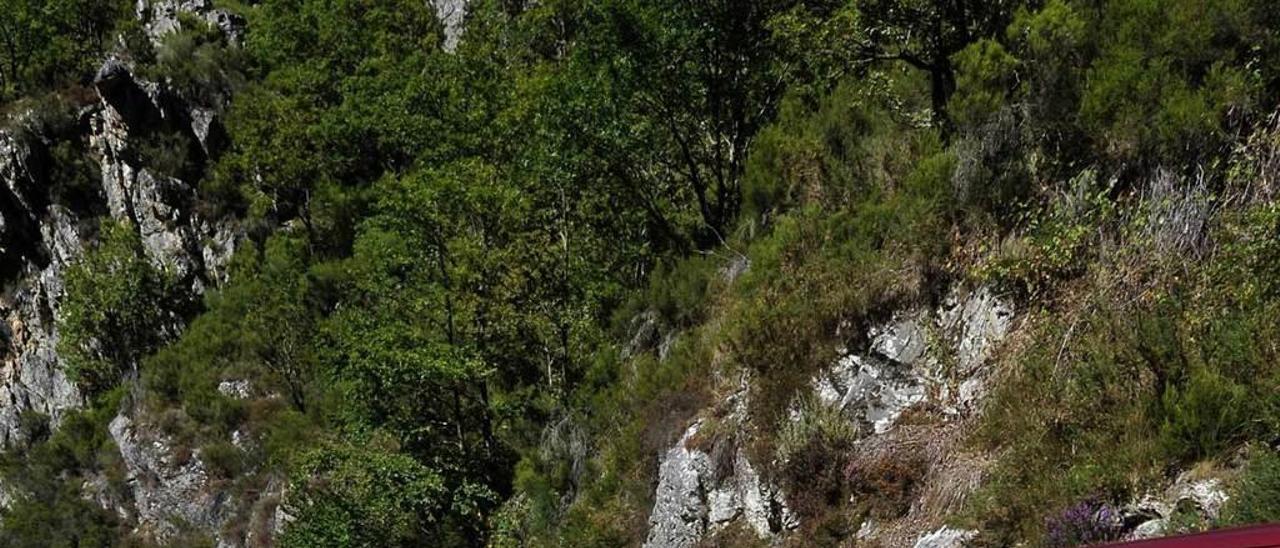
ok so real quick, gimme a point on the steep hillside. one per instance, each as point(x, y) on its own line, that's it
point(618, 272)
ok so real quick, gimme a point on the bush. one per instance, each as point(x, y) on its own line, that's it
point(678, 292)
point(985, 75)
point(198, 62)
point(169, 154)
point(1205, 415)
point(45, 480)
point(1085, 523)
point(1054, 243)
point(74, 177)
point(113, 312)
point(52, 43)
point(344, 495)
point(885, 487)
point(1077, 421)
point(1255, 497)
point(224, 460)
point(830, 155)
point(1166, 77)
point(813, 452)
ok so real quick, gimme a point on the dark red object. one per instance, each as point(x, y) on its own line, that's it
point(1254, 536)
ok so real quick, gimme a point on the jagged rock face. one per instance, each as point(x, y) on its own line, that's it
point(691, 502)
point(452, 14)
point(161, 17)
point(168, 488)
point(873, 391)
point(977, 323)
point(172, 489)
point(1148, 516)
point(31, 373)
point(161, 207)
point(697, 496)
point(39, 240)
point(936, 356)
point(919, 356)
point(680, 510)
point(19, 224)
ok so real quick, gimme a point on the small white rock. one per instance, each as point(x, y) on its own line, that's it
point(238, 389)
point(946, 537)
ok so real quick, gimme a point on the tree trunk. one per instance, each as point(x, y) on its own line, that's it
point(942, 83)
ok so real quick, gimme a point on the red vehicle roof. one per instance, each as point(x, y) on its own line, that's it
point(1254, 536)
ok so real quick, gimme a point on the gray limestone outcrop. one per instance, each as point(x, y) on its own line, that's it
point(172, 488)
point(934, 356)
point(169, 487)
point(40, 239)
point(37, 242)
point(946, 537)
point(930, 356)
point(161, 17)
point(452, 14)
point(1149, 515)
point(701, 491)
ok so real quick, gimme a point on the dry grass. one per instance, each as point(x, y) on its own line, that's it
point(948, 473)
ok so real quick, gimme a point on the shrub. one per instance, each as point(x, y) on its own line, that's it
point(1073, 421)
point(832, 155)
point(1205, 415)
point(256, 328)
point(1255, 497)
point(1162, 92)
point(45, 480)
point(198, 63)
point(50, 43)
point(813, 450)
point(74, 178)
point(113, 311)
point(985, 74)
point(678, 292)
point(224, 460)
point(1087, 522)
point(886, 486)
point(169, 153)
point(1055, 242)
point(344, 495)
point(1049, 42)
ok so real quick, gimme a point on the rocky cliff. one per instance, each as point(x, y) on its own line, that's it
point(930, 362)
point(910, 391)
point(169, 490)
point(41, 236)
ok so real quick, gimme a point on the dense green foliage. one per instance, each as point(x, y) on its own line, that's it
point(450, 256)
point(46, 44)
point(113, 314)
point(367, 496)
point(52, 510)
